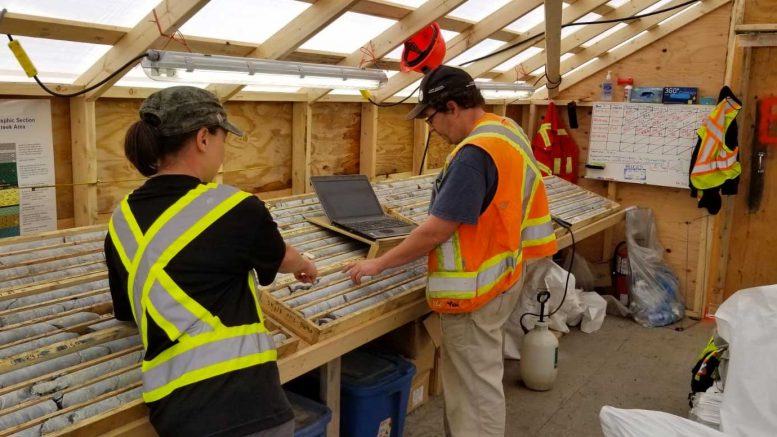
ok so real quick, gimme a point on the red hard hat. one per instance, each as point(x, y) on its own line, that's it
point(423, 51)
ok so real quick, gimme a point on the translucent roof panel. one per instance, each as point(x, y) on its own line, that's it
point(348, 33)
point(604, 34)
point(476, 10)
point(126, 13)
point(616, 3)
point(482, 48)
point(628, 41)
point(135, 77)
point(533, 18)
point(565, 32)
point(654, 7)
point(56, 61)
point(239, 20)
point(409, 3)
point(517, 59)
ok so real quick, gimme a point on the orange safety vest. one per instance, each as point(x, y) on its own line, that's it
point(480, 261)
point(554, 149)
point(715, 161)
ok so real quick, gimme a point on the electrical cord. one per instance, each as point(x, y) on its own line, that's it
point(568, 226)
point(86, 90)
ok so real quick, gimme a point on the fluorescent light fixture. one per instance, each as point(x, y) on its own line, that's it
point(199, 68)
point(505, 90)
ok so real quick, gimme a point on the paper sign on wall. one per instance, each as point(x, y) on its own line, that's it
point(644, 143)
point(26, 162)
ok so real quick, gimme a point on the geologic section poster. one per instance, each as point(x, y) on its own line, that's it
point(27, 198)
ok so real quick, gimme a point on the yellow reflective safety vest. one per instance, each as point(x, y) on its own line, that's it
point(202, 346)
point(716, 162)
point(481, 261)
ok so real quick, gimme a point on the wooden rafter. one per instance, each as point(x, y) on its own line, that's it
point(396, 35)
point(65, 30)
point(393, 11)
point(170, 15)
point(573, 41)
point(303, 27)
point(570, 14)
point(465, 40)
point(605, 53)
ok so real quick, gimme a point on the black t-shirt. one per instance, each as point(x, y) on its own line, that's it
point(213, 270)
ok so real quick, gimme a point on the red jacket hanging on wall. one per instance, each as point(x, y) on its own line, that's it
point(555, 150)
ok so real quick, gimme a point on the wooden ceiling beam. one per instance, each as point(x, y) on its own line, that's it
point(303, 27)
point(465, 40)
point(394, 36)
point(572, 43)
point(603, 50)
point(145, 35)
point(570, 14)
point(65, 30)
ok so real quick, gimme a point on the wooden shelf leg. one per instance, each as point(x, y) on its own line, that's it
point(330, 394)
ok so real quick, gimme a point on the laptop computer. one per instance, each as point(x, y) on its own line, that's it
point(350, 203)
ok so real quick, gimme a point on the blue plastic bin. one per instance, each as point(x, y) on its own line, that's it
point(310, 417)
point(374, 391)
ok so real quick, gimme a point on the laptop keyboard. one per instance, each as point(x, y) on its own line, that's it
point(377, 224)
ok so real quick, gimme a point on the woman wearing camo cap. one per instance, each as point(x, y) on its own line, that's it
point(183, 257)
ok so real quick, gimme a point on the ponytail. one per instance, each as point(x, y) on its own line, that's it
point(146, 150)
point(142, 148)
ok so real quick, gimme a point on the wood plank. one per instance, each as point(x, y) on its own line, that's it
point(421, 135)
point(605, 53)
point(393, 37)
point(301, 136)
point(295, 33)
point(368, 146)
point(84, 149)
point(330, 393)
point(394, 153)
point(465, 40)
point(335, 138)
point(757, 40)
point(570, 14)
point(59, 29)
point(572, 42)
point(552, 45)
point(171, 15)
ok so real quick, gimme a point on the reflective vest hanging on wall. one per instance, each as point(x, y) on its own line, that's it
point(555, 150)
point(481, 261)
point(202, 346)
point(715, 161)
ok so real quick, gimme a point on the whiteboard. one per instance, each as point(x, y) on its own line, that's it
point(644, 143)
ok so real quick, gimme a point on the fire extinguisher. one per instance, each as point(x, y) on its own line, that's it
point(621, 272)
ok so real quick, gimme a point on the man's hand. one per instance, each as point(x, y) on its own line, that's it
point(307, 273)
point(370, 267)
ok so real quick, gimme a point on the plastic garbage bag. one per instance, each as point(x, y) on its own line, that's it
point(594, 310)
point(654, 298)
point(748, 321)
point(541, 274)
point(617, 422)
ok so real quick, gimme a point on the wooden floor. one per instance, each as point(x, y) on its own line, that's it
point(623, 364)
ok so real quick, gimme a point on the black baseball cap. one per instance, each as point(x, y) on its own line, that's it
point(181, 109)
point(438, 84)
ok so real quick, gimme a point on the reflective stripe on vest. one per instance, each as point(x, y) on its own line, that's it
point(716, 162)
point(196, 333)
point(450, 279)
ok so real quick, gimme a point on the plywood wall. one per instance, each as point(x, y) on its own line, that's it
point(335, 139)
point(693, 56)
point(395, 140)
point(760, 12)
point(753, 243)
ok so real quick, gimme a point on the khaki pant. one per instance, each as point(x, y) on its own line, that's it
point(472, 367)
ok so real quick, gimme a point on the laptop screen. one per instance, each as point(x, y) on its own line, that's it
point(345, 197)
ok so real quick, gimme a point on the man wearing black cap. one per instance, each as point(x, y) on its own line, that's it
point(488, 214)
point(184, 258)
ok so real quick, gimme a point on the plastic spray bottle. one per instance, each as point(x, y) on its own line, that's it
point(607, 88)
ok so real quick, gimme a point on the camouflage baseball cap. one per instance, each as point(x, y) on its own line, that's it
point(181, 109)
